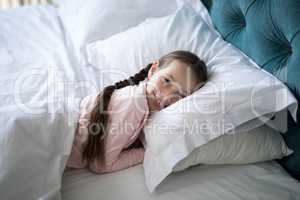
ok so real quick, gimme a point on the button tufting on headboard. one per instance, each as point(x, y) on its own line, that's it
point(268, 31)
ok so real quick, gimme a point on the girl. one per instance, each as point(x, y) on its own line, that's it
point(110, 123)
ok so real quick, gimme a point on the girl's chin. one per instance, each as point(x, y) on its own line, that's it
point(155, 107)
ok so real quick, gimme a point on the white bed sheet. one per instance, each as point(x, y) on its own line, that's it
point(267, 180)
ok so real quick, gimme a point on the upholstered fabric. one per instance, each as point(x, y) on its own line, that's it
point(268, 31)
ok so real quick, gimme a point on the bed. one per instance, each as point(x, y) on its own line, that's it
point(274, 46)
point(253, 181)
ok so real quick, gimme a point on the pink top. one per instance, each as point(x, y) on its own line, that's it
point(128, 112)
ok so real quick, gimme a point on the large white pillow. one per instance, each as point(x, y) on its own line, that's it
point(257, 145)
point(236, 93)
point(89, 20)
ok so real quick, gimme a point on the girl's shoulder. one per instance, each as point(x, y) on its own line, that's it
point(127, 92)
point(130, 91)
point(130, 97)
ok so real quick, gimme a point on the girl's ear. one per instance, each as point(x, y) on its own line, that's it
point(153, 69)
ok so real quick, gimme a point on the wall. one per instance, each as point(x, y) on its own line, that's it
point(15, 3)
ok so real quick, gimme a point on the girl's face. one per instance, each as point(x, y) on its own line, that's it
point(170, 84)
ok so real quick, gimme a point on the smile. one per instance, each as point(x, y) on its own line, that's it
point(156, 99)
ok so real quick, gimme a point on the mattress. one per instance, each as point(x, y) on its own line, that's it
point(267, 180)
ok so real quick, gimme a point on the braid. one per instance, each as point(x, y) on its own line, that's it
point(138, 77)
point(99, 116)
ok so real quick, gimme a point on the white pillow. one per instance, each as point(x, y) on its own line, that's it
point(89, 20)
point(201, 10)
point(257, 145)
point(236, 92)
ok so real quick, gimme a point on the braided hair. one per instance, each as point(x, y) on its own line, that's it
point(94, 148)
point(99, 116)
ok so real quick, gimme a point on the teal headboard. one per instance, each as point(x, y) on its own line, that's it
point(268, 31)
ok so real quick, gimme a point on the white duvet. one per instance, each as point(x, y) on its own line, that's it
point(38, 103)
point(42, 84)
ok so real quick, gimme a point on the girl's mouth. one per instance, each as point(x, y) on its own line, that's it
point(157, 102)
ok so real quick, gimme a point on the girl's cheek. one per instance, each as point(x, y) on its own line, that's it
point(157, 83)
point(158, 86)
point(161, 81)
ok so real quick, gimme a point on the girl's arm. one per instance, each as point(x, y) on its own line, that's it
point(136, 144)
point(126, 117)
point(127, 158)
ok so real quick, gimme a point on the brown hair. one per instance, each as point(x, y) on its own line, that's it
point(99, 116)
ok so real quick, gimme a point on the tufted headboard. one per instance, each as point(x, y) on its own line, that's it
point(268, 31)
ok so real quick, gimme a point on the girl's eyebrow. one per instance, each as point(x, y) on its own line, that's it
point(173, 79)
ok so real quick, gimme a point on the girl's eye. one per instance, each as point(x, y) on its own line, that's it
point(167, 80)
point(181, 95)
